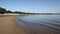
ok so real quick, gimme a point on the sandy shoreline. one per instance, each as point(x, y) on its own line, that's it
point(8, 25)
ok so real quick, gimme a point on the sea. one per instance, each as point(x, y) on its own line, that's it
point(40, 24)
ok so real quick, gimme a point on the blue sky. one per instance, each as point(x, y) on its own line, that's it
point(40, 6)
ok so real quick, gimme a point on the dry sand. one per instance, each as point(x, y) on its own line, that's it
point(8, 25)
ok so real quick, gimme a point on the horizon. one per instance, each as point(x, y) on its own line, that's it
point(32, 6)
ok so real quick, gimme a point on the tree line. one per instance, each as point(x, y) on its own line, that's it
point(3, 10)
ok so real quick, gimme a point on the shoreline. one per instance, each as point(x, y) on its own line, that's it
point(8, 25)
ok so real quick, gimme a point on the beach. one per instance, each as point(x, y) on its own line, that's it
point(8, 25)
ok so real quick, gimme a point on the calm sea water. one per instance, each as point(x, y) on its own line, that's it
point(34, 22)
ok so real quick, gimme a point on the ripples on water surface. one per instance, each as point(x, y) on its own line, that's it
point(40, 24)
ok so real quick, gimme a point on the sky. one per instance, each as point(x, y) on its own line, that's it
point(36, 6)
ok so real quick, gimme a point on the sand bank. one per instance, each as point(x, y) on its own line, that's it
point(8, 25)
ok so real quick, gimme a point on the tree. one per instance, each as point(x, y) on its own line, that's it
point(2, 10)
point(8, 11)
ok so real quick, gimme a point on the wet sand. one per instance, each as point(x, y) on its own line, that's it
point(8, 25)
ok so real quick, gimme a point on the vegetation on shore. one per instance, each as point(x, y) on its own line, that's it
point(3, 10)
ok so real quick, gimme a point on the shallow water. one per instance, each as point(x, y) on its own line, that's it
point(40, 24)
